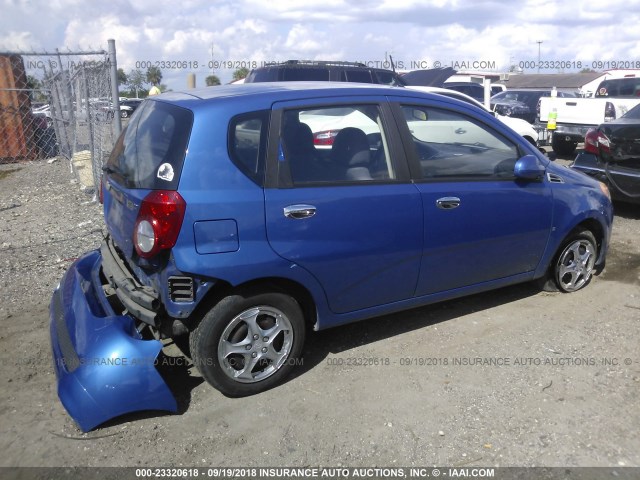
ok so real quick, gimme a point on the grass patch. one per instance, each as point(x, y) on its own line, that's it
point(5, 173)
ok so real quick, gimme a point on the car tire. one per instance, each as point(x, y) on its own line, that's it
point(124, 114)
point(563, 147)
point(248, 342)
point(573, 266)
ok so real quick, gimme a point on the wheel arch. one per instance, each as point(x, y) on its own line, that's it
point(595, 227)
point(590, 223)
point(269, 284)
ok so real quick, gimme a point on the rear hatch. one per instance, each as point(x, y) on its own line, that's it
point(148, 156)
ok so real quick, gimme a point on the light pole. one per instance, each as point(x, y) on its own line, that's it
point(539, 42)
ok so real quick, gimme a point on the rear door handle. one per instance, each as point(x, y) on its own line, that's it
point(447, 203)
point(298, 212)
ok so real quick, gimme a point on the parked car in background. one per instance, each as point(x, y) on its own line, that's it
point(228, 225)
point(133, 103)
point(612, 155)
point(576, 116)
point(105, 110)
point(521, 103)
point(327, 71)
point(474, 90)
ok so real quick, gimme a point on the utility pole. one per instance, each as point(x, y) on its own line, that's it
point(539, 42)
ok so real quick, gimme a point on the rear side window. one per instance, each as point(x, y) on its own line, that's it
point(362, 76)
point(150, 152)
point(247, 143)
point(262, 75)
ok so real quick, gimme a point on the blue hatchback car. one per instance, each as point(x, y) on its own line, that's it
point(245, 215)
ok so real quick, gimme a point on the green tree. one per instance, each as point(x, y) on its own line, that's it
point(212, 80)
point(136, 81)
point(240, 73)
point(33, 83)
point(122, 77)
point(154, 75)
point(36, 94)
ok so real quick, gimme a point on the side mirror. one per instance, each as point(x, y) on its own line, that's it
point(529, 168)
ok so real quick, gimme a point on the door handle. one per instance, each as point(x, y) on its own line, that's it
point(447, 203)
point(298, 212)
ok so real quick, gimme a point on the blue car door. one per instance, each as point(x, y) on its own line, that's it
point(481, 223)
point(344, 208)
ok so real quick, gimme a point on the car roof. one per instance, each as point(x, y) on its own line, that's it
point(283, 91)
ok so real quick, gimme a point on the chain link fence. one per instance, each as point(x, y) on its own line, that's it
point(56, 105)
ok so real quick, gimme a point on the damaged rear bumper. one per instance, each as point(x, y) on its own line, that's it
point(104, 367)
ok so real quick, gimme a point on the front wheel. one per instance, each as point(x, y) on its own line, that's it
point(248, 342)
point(573, 267)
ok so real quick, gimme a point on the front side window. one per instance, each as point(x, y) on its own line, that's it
point(451, 145)
point(335, 144)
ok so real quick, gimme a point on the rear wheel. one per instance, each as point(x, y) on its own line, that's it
point(573, 266)
point(248, 342)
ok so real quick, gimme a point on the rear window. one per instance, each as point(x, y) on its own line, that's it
point(620, 87)
point(150, 151)
point(388, 78)
point(262, 75)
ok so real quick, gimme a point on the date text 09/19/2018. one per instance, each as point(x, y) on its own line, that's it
point(578, 65)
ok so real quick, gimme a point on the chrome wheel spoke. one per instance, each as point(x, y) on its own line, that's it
point(250, 318)
point(575, 265)
point(227, 348)
point(267, 343)
point(247, 372)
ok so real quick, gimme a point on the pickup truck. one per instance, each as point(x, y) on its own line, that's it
point(576, 116)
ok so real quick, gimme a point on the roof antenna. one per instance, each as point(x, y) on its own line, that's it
point(393, 67)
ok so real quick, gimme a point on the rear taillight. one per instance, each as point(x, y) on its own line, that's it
point(596, 142)
point(609, 112)
point(325, 137)
point(159, 222)
point(591, 141)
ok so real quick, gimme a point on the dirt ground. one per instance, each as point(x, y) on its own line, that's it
point(514, 377)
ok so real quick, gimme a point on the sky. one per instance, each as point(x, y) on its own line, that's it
point(217, 37)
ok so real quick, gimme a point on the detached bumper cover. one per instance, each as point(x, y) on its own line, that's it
point(103, 366)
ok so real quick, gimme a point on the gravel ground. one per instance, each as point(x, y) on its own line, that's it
point(399, 390)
